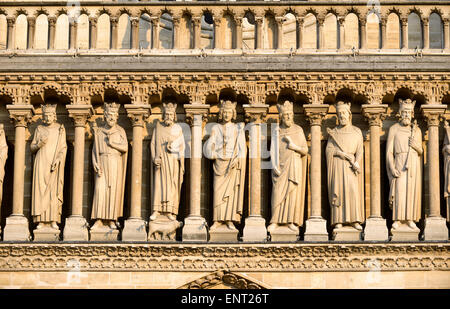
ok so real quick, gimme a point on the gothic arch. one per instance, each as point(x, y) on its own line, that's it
point(225, 279)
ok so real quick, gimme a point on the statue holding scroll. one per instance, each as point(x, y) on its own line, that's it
point(167, 150)
point(49, 145)
point(404, 168)
point(344, 154)
point(226, 146)
point(109, 158)
point(288, 155)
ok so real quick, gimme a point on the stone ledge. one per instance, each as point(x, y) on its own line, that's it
point(234, 257)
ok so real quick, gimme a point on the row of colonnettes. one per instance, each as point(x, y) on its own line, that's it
point(226, 147)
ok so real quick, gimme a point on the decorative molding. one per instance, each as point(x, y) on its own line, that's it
point(222, 277)
point(230, 257)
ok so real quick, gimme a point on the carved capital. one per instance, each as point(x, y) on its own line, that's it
point(192, 110)
point(259, 20)
point(52, 21)
point(279, 20)
point(404, 21)
point(255, 113)
point(31, 21)
point(433, 113)
point(374, 113)
point(176, 21)
point(134, 21)
point(315, 113)
point(341, 20)
point(196, 20)
point(362, 22)
point(137, 113)
point(238, 21)
point(20, 114)
point(10, 21)
point(80, 114)
point(93, 21)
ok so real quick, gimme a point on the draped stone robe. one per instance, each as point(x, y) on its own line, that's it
point(345, 187)
point(405, 191)
point(229, 170)
point(288, 177)
point(3, 157)
point(110, 185)
point(168, 178)
point(47, 188)
point(447, 172)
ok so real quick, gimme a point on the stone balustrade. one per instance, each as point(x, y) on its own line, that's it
point(188, 27)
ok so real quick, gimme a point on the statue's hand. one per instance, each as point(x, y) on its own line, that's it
point(356, 168)
point(169, 147)
point(341, 155)
point(414, 145)
point(54, 166)
point(287, 139)
point(396, 173)
point(42, 141)
point(98, 170)
point(447, 149)
point(158, 162)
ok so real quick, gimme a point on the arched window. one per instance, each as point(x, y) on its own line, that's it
point(3, 32)
point(166, 31)
point(124, 32)
point(309, 32)
point(330, 31)
point(83, 32)
point(436, 31)
point(415, 37)
point(351, 31)
point(270, 32)
point(62, 32)
point(103, 32)
point(289, 31)
point(373, 31)
point(228, 35)
point(207, 31)
point(248, 31)
point(41, 36)
point(145, 32)
point(21, 29)
point(393, 32)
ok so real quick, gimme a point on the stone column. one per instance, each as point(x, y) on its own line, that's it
point(11, 35)
point(196, 23)
point(383, 32)
point(404, 22)
point(363, 38)
point(316, 226)
point(259, 32)
point(300, 33)
point(155, 32)
point(114, 32)
point(426, 32)
point(176, 32)
point(16, 228)
point(446, 22)
point(218, 33)
point(375, 228)
point(52, 26)
point(435, 224)
point(238, 32)
point(73, 24)
point(279, 21)
point(321, 20)
point(194, 228)
point(31, 30)
point(134, 32)
point(76, 226)
point(255, 225)
point(93, 32)
point(134, 228)
point(341, 21)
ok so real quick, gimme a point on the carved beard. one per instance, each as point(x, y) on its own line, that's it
point(406, 121)
point(168, 122)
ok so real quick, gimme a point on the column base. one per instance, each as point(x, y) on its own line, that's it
point(346, 233)
point(16, 229)
point(76, 229)
point(46, 234)
point(404, 233)
point(134, 230)
point(284, 234)
point(435, 229)
point(376, 230)
point(195, 229)
point(255, 229)
point(316, 230)
point(223, 234)
point(104, 233)
point(163, 229)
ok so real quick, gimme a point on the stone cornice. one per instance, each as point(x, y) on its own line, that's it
point(231, 257)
